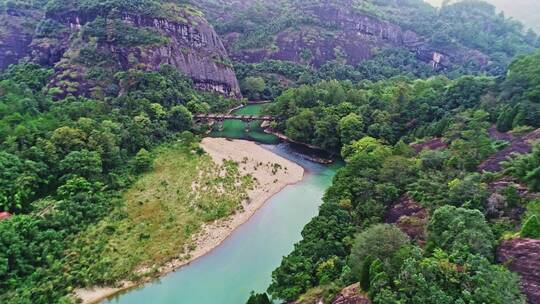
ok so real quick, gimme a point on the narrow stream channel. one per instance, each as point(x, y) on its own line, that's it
point(245, 261)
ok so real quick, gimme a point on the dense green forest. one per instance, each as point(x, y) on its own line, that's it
point(405, 108)
point(65, 163)
point(371, 124)
point(77, 134)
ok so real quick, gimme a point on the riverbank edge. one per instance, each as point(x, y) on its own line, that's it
point(320, 160)
point(99, 294)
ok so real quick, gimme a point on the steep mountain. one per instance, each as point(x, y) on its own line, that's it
point(314, 32)
point(88, 43)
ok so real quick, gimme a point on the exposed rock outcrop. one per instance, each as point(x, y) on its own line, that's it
point(496, 135)
point(193, 47)
point(498, 206)
point(519, 145)
point(355, 37)
point(409, 217)
point(432, 144)
point(351, 295)
point(523, 256)
point(15, 36)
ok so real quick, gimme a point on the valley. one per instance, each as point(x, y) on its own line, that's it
point(284, 151)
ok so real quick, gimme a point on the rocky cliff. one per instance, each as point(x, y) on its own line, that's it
point(15, 35)
point(336, 30)
point(190, 45)
point(195, 49)
point(523, 256)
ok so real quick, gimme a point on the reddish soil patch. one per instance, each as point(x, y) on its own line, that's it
point(520, 145)
point(432, 144)
point(523, 256)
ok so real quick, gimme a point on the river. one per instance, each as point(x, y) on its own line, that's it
point(244, 262)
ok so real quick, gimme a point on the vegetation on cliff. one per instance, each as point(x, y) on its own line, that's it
point(315, 32)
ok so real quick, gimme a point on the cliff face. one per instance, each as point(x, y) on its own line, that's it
point(193, 47)
point(523, 257)
point(341, 32)
point(15, 37)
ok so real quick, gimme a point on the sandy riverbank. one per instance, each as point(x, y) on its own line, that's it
point(272, 173)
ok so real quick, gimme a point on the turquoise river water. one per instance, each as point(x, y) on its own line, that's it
point(244, 262)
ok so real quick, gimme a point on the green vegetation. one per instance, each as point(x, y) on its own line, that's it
point(272, 77)
point(452, 261)
point(531, 228)
point(253, 87)
point(439, 279)
point(459, 23)
point(258, 299)
point(183, 191)
point(527, 168)
point(122, 34)
point(377, 243)
point(467, 24)
point(152, 8)
point(389, 109)
point(102, 171)
point(460, 231)
point(70, 171)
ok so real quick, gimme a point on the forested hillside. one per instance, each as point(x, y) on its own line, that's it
point(64, 165)
point(374, 39)
point(426, 195)
point(89, 42)
point(75, 134)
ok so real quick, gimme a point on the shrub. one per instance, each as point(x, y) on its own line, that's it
point(142, 161)
point(377, 242)
point(531, 228)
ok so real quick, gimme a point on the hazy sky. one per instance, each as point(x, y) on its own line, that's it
point(526, 11)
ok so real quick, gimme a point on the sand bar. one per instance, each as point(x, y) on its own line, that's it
point(272, 173)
